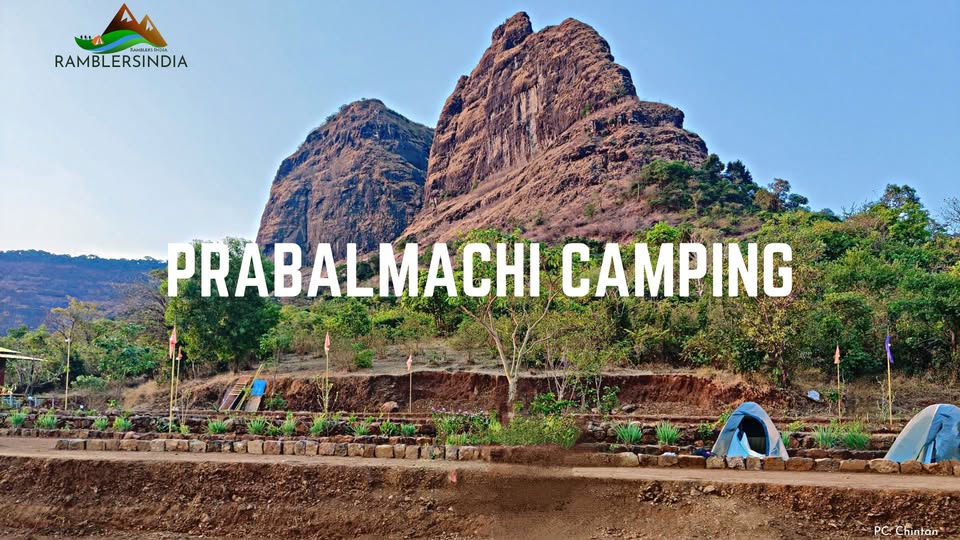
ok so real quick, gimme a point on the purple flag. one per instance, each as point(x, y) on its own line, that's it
point(886, 345)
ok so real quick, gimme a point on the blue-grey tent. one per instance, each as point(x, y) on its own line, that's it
point(750, 432)
point(932, 435)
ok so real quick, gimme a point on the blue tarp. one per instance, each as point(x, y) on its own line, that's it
point(258, 388)
point(750, 424)
point(932, 435)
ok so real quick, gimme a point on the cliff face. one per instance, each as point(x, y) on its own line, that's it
point(546, 134)
point(357, 178)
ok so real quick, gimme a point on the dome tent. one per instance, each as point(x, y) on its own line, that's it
point(932, 435)
point(750, 432)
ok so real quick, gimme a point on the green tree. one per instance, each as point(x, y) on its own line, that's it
point(223, 330)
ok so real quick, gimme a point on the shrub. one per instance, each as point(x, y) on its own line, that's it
point(101, 423)
point(289, 425)
point(122, 423)
point(17, 419)
point(547, 403)
point(667, 433)
point(46, 421)
point(363, 359)
point(854, 436)
point(408, 430)
point(275, 402)
point(610, 399)
point(184, 428)
point(216, 427)
point(704, 431)
point(389, 429)
point(360, 427)
point(257, 425)
point(628, 433)
point(91, 382)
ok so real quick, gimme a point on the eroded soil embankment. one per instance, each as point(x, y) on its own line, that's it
point(133, 498)
point(655, 393)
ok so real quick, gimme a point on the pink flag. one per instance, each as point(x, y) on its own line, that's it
point(836, 355)
point(326, 344)
point(173, 341)
point(410, 363)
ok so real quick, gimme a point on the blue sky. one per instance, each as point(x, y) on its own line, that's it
point(839, 98)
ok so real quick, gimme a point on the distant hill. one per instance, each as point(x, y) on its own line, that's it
point(33, 282)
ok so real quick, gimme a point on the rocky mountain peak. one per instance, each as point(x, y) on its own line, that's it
point(511, 33)
point(356, 178)
point(545, 120)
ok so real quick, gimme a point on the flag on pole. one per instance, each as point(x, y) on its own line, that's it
point(179, 353)
point(836, 355)
point(173, 342)
point(410, 363)
point(886, 345)
point(326, 343)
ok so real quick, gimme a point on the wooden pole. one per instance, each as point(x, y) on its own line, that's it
point(66, 383)
point(839, 397)
point(410, 400)
point(889, 394)
point(326, 382)
point(172, 375)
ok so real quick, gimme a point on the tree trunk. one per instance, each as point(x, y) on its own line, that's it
point(511, 391)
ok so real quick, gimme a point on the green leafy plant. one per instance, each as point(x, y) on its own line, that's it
point(722, 419)
point(184, 428)
point(667, 433)
point(17, 419)
point(257, 425)
point(458, 439)
point(323, 424)
point(389, 429)
point(216, 427)
point(628, 433)
point(792, 427)
point(122, 423)
point(854, 436)
point(408, 430)
point(533, 430)
point(273, 431)
point(610, 399)
point(100, 423)
point(363, 359)
point(704, 431)
point(289, 425)
point(547, 403)
point(275, 402)
point(825, 436)
point(360, 427)
point(46, 421)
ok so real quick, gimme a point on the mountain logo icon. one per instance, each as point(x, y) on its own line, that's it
point(122, 33)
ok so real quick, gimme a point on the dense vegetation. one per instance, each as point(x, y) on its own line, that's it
point(885, 268)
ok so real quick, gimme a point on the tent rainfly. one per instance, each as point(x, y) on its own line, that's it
point(932, 435)
point(749, 432)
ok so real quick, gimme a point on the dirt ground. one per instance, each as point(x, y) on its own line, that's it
point(46, 493)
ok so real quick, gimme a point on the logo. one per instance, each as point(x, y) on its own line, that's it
point(122, 33)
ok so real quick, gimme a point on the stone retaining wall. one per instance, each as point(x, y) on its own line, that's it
point(549, 456)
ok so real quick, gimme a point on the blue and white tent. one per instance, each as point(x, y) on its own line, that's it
point(932, 435)
point(750, 432)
